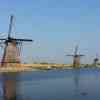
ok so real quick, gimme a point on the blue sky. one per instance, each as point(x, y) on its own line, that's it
point(56, 26)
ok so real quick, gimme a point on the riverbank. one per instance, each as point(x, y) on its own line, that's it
point(37, 67)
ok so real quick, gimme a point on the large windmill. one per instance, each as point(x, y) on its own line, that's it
point(76, 57)
point(12, 47)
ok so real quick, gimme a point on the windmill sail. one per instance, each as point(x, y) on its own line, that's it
point(10, 26)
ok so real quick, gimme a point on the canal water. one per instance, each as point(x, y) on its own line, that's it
point(79, 84)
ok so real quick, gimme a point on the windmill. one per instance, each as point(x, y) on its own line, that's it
point(96, 59)
point(12, 47)
point(76, 57)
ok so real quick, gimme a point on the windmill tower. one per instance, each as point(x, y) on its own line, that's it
point(12, 47)
point(76, 58)
point(11, 55)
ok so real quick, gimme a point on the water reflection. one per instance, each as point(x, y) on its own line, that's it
point(9, 86)
point(76, 79)
point(78, 84)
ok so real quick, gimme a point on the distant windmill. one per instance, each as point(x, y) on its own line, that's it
point(76, 57)
point(12, 47)
point(96, 59)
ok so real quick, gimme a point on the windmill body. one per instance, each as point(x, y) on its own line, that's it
point(12, 54)
point(76, 60)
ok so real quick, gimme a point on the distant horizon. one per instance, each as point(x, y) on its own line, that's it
point(56, 26)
